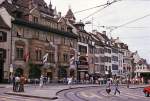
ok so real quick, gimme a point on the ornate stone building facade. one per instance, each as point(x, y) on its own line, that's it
point(35, 30)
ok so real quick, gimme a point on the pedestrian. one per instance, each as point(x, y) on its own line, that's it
point(116, 87)
point(41, 81)
point(22, 82)
point(14, 84)
point(69, 81)
point(17, 83)
point(48, 80)
point(108, 89)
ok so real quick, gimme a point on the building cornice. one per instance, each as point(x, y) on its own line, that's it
point(44, 28)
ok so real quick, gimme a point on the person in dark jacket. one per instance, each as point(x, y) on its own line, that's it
point(116, 87)
point(14, 84)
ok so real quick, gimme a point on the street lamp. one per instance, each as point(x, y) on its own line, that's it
point(77, 63)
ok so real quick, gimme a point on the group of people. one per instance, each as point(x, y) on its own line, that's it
point(44, 81)
point(116, 88)
point(18, 83)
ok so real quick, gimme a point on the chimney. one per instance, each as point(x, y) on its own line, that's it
point(94, 32)
point(59, 14)
point(104, 32)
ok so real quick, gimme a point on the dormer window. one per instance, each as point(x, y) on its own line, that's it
point(81, 28)
point(69, 29)
point(35, 19)
point(18, 34)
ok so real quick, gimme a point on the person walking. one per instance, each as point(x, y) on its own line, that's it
point(22, 82)
point(108, 89)
point(69, 81)
point(41, 81)
point(116, 87)
point(14, 84)
point(17, 83)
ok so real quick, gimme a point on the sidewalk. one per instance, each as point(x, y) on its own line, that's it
point(5, 85)
point(138, 86)
point(51, 91)
point(47, 92)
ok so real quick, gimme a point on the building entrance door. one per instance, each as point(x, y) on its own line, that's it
point(1, 70)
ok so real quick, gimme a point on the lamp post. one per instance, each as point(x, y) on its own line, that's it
point(11, 72)
point(77, 63)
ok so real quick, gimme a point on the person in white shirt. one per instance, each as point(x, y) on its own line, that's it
point(70, 81)
point(41, 81)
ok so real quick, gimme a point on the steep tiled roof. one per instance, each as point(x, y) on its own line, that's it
point(142, 61)
point(23, 7)
point(42, 6)
point(70, 15)
point(14, 7)
point(98, 41)
point(3, 24)
point(104, 36)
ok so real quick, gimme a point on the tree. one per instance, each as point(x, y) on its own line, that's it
point(19, 72)
point(34, 71)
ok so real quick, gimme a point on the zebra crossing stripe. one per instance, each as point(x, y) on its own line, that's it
point(90, 95)
point(133, 95)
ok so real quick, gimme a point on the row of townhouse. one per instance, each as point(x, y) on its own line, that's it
point(141, 68)
point(30, 30)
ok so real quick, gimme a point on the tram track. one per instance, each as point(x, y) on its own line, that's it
point(75, 93)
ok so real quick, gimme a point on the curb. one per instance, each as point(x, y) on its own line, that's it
point(135, 87)
point(24, 95)
point(74, 88)
point(80, 87)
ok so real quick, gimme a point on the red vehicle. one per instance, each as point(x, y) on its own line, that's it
point(146, 90)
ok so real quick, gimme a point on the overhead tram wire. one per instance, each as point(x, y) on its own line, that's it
point(95, 12)
point(132, 21)
point(102, 5)
point(106, 5)
point(111, 28)
point(90, 8)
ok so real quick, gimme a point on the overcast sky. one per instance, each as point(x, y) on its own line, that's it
point(136, 35)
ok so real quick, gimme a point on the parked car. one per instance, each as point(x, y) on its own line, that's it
point(146, 90)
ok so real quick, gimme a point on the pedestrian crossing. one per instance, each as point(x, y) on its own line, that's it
point(100, 94)
point(126, 94)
